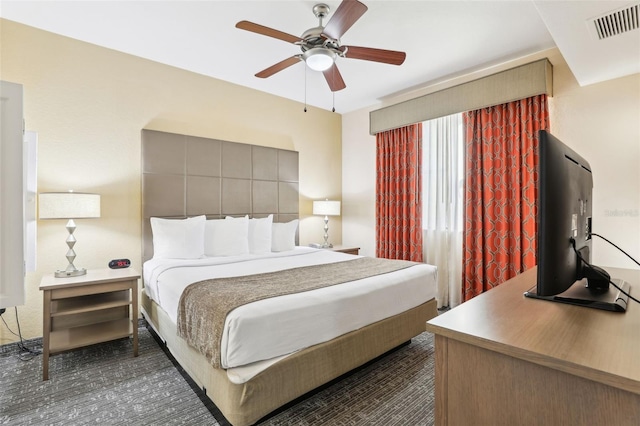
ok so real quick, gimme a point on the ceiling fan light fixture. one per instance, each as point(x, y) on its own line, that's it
point(319, 58)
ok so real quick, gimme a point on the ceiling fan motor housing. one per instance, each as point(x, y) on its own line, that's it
point(313, 38)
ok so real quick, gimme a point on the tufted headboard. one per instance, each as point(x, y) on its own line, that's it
point(184, 176)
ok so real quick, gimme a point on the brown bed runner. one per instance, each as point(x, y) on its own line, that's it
point(204, 305)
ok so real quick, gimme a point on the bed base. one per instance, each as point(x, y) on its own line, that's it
point(244, 404)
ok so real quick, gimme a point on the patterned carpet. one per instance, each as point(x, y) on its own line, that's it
point(105, 384)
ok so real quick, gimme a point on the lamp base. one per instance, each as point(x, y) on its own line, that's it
point(66, 274)
point(326, 245)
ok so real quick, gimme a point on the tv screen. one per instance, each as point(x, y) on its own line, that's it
point(564, 220)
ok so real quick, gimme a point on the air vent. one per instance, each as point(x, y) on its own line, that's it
point(617, 22)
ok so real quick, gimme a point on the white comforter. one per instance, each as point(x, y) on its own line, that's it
point(272, 328)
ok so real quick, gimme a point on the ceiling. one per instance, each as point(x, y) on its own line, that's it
point(441, 39)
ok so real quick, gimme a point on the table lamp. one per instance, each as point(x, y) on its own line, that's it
point(69, 205)
point(326, 208)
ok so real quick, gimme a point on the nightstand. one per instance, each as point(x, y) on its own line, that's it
point(346, 249)
point(93, 308)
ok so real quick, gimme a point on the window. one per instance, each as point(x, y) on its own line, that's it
point(443, 197)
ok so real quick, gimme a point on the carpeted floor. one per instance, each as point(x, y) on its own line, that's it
point(105, 384)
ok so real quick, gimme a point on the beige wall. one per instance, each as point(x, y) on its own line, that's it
point(600, 121)
point(88, 105)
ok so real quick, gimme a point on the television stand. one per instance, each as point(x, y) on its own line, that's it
point(506, 359)
point(578, 294)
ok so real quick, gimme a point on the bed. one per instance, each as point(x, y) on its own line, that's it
point(184, 179)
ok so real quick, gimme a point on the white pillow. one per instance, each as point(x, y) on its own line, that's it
point(260, 235)
point(283, 236)
point(226, 237)
point(178, 238)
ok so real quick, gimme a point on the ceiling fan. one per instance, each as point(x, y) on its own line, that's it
point(321, 45)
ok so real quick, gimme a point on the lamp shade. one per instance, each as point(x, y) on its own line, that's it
point(326, 208)
point(319, 58)
point(68, 205)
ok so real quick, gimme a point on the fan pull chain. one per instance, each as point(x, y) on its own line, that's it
point(305, 88)
point(333, 109)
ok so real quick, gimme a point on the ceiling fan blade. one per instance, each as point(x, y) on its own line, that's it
point(278, 67)
point(392, 57)
point(344, 17)
point(269, 32)
point(334, 78)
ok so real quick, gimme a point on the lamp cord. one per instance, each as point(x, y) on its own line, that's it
point(26, 354)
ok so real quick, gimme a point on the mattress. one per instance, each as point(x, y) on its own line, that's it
point(260, 333)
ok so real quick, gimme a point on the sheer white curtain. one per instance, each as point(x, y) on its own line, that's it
point(443, 192)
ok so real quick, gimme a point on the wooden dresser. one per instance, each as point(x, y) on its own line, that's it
point(504, 359)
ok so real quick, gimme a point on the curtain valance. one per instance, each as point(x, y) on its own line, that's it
point(506, 86)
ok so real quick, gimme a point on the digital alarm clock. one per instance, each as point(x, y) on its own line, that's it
point(119, 263)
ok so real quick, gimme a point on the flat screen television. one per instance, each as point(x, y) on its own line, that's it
point(564, 206)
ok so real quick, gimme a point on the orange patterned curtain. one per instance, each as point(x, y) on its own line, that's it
point(398, 193)
point(500, 192)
